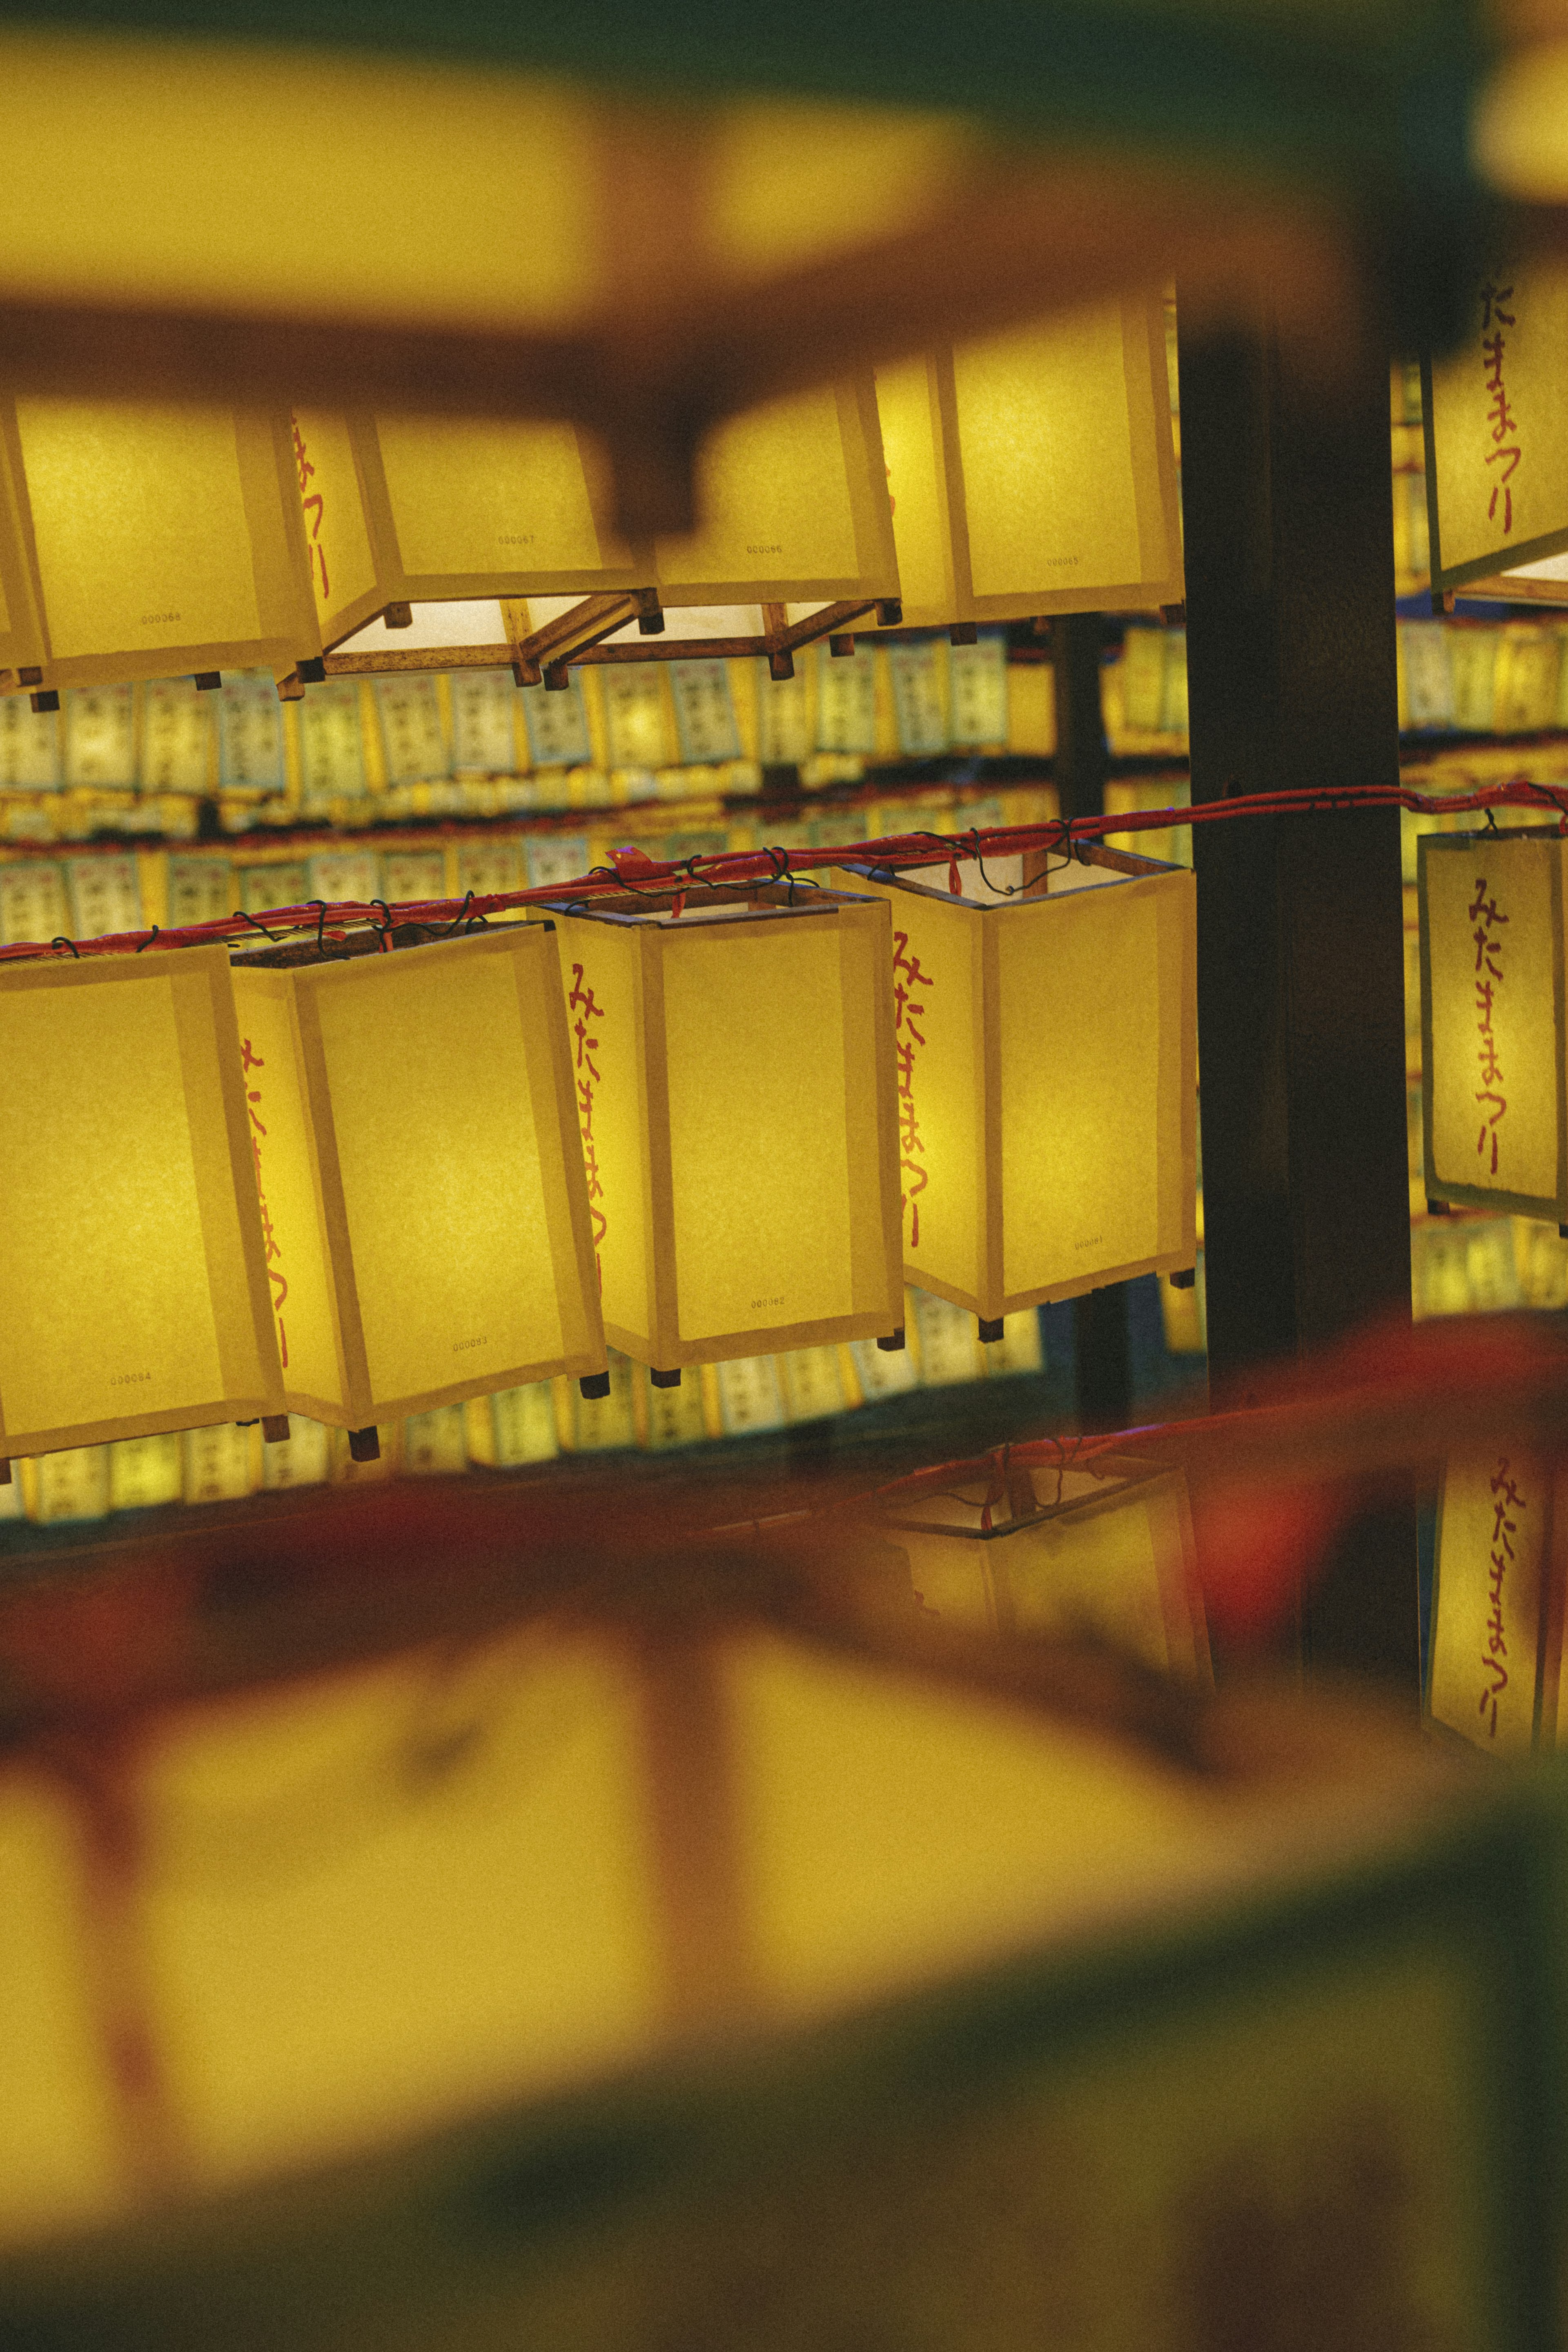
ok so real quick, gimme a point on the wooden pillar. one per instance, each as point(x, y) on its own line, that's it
point(1102, 1365)
point(1286, 495)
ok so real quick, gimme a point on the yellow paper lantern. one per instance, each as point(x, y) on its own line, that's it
point(1497, 429)
point(734, 1066)
point(1044, 1035)
point(160, 539)
point(1035, 471)
point(1495, 1072)
point(131, 1258)
point(1103, 1549)
point(1495, 1663)
point(416, 509)
point(422, 1188)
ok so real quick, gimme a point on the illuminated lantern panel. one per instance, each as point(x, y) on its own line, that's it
point(1495, 1657)
point(1493, 1103)
point(132, 1279)
point(414, 509)
point(1103, 1553)
point(1497, 429)
point(422, 1189)
point(1036, 471)
point(1045, 1058)
point(734, 1074)
point(160, 539)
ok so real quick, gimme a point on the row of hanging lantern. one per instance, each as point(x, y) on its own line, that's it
point(363, 1185)
point(1029, 473)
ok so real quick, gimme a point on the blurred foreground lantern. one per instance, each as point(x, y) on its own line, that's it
point(1045, 1055)
point(421, 1183)
point(1497, 429)
point(132, 1266)
point(1495, 1661)
point(1034, 472)
point(1099, 1548)
point(1492, 1044)
point(734, 1066)
point(159, 538)
point(589, 1983)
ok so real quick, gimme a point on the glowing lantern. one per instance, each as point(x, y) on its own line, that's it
point(131, 1261)
point(734, 1066)
point(1491, 912)
point(1034, 472)
point(1044, 1035)
point(415, 508)
point(162, 538)
point(1101, 1548)
point(421, 1185)
point(1496, 1658)
point(1497, 429)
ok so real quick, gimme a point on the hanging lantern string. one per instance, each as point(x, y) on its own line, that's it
point(646, 877)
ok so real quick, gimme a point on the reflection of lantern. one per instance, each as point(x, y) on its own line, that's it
point(1102, 1549)
point(735, 1093)
point(1034, 472)
point(1497, 429)
point(132, 1266)
point(404, 509)
point(1497, 1589)
point(162, 539)
point(421, 1183)
point(1491, 912)
point(1046, 1059)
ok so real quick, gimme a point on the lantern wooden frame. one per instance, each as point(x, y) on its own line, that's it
point(296, 993)
point(626, 943)
point(203, 1033)
point(975, 958)
point(1543, 850)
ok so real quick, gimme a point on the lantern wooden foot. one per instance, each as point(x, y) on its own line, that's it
point(594, 1385)
point(650, 613)
point(29, 676)
point(275, 1429)
point(1184, 1278)
point(207, 681)
point(671, 1379)
point(893, 1344)
point(889, 613)
point(46, 697)
point(1563, 1232)
point(364, 1444)
point(312, 671)
point(781, 665)
point(557, 677)
point(841, 647)
point(990, 1328)
point(964, 632)
point(398, 616)
point(1439, 1208)
point(5, 1472)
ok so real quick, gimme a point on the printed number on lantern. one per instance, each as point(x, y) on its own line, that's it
point(777, 1301)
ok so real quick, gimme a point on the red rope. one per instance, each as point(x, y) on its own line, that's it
point(731, 869)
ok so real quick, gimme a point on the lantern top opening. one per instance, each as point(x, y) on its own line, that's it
point(1034, 875)
point(1022, 1495)
point(665, 907)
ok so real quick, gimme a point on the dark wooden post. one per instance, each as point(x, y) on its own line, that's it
point(1286, 495)
point(1102, 1381)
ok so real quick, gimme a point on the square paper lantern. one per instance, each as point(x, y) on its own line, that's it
point(734, 1074)
point(1494, 1108)
point(1495, 1663)
point(1104, 1551)
point(1036, 471)
point(162, 538)
point(132, 1272)
point(421, 1183)
point(1045, 1043)
point(1496, 417)
point(402, 509)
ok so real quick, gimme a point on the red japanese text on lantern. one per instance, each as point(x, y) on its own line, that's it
point(251, 1060)
point(314, 504)
point(1505, 1498)
point(583, 1007)
point(907, 1038)
point(1487, 917)
point(1502, 424)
